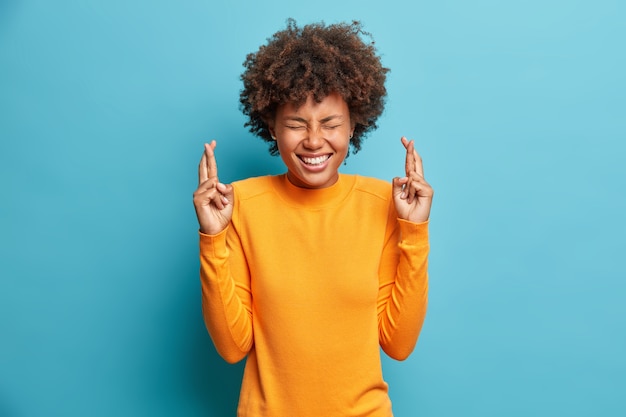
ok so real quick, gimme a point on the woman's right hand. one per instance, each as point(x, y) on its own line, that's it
point(212, 200)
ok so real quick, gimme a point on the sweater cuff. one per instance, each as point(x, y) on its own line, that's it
point(413, 234)
point(214, 245)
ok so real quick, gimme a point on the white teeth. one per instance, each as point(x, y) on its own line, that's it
point(315, 161)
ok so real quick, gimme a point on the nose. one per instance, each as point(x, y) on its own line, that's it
point(314, 139)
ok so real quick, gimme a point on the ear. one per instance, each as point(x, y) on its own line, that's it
point(270, 127)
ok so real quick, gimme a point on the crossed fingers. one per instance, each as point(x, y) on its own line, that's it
point(208, 182)
point(208, 166)
point(415, 185)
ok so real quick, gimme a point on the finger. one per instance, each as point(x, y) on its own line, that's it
point(206, 185)
point(398, 186)
point(227, 191)
point(418, 188)
point(409, 161)
point(202, 170)
point(415, 163)
point(206, 193)
point(211, 164)
point(419, 167)
point(412, 191)
point(210, 197)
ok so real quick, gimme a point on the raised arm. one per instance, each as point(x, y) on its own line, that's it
point(225, 279)
point(403, 291)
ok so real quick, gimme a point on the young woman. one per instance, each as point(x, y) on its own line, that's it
point(308, 273)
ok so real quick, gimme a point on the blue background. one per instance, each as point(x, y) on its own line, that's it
point(518, 109)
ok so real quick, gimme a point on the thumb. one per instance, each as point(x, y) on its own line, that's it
point(397, 185)
point(227, 191)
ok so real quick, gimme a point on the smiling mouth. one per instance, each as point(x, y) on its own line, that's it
point(318, 160)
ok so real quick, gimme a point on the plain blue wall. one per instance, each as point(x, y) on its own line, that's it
point(519, 111)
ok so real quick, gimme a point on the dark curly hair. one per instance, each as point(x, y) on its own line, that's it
point(314, 60)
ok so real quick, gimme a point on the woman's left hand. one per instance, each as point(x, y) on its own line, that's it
point(412, 195)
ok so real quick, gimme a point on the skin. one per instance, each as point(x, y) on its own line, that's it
point(312, 130)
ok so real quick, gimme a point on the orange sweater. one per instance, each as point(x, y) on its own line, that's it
point(308, 284)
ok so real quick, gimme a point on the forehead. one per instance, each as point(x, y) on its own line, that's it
point(332, 104)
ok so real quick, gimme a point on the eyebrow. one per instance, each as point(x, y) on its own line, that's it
point(324, 120)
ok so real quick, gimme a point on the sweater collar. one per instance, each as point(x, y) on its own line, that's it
point(314, 198)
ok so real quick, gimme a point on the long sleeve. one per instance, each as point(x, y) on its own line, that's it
point(403, 290)
point(226, 300)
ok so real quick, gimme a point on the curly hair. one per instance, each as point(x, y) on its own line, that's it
point(314, 60)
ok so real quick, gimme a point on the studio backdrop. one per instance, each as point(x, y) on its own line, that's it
point(517, 108)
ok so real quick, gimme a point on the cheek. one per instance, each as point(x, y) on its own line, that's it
point(286, 143)
point(342, 142)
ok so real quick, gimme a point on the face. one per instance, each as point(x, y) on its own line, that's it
point(313, 140)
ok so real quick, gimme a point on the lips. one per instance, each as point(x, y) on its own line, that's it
point(317, 160)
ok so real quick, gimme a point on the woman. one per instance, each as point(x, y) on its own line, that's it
point(307, 273)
